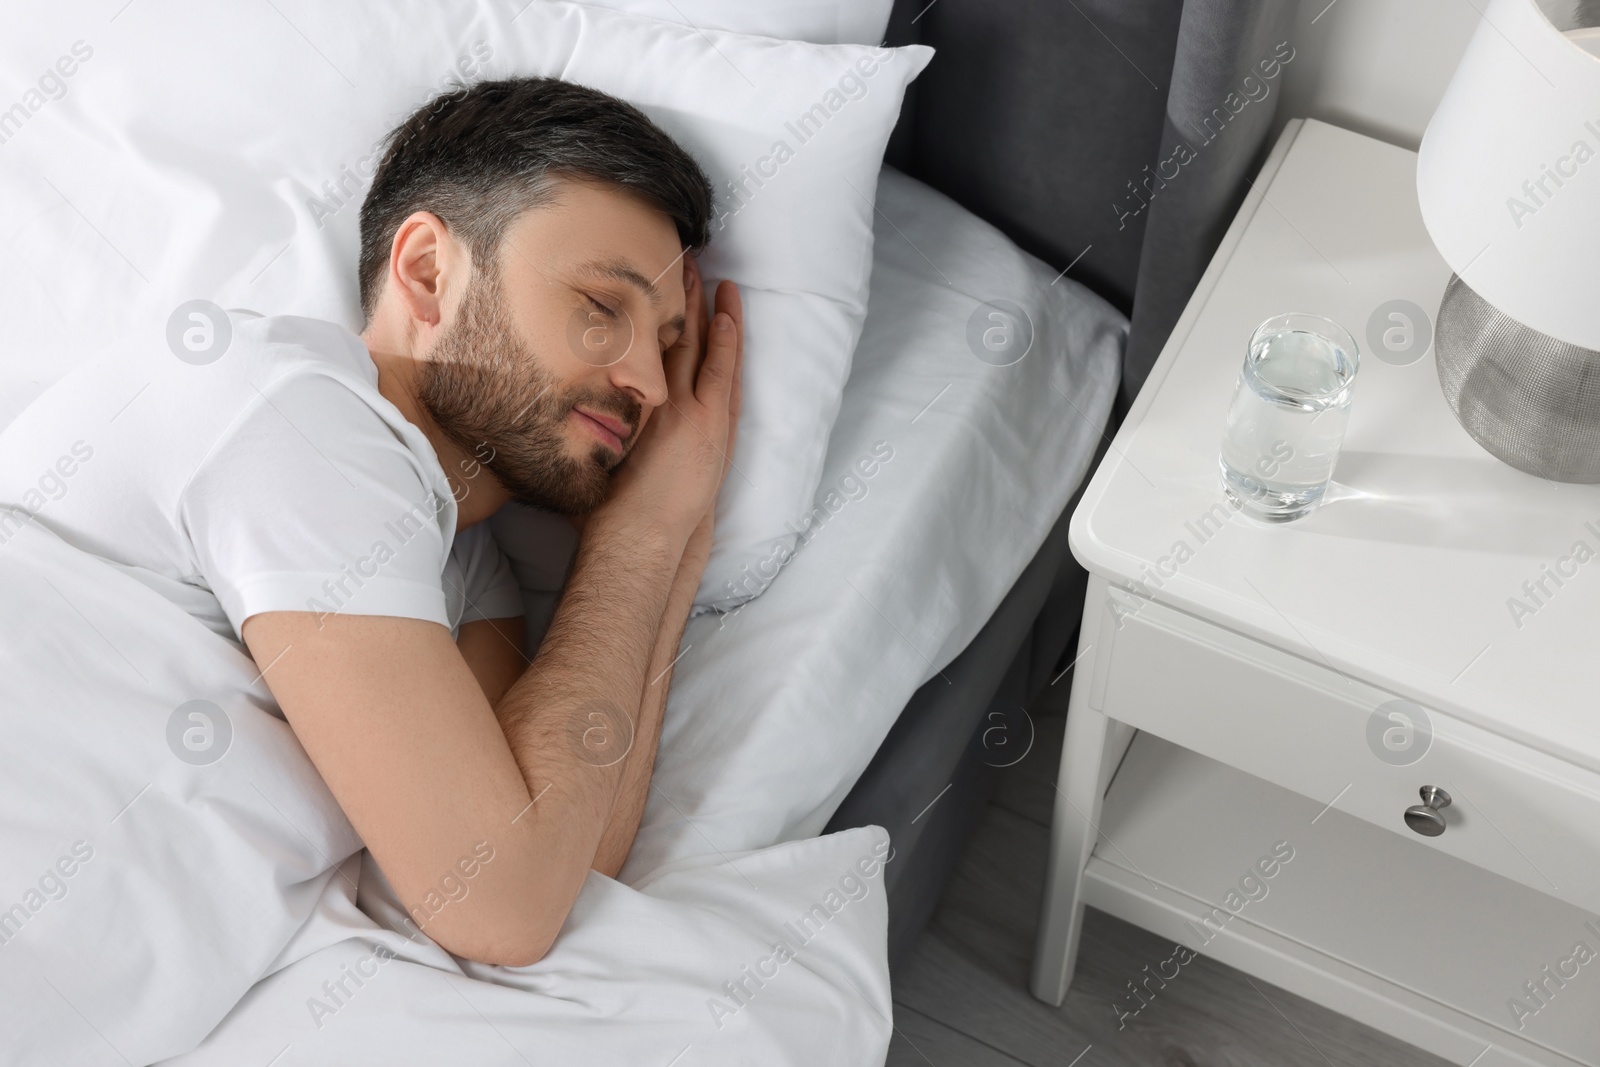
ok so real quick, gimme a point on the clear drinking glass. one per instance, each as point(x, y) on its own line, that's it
point(1288, 416)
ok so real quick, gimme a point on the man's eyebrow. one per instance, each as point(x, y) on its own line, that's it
point(621, 271)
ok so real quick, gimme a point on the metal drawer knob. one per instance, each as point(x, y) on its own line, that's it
point(1425, 818)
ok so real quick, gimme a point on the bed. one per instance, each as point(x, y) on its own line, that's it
point(971, 463)
point(826, 745)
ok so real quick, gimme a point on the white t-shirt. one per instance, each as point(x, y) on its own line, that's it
point(275, 478)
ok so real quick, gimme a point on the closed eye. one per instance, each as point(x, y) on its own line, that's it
point(675, 326)
point(605, 309)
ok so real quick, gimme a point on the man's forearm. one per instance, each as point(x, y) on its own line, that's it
point(634, 790)
point(572, 716)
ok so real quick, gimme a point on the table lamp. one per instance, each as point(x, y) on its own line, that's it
point(1508, 178)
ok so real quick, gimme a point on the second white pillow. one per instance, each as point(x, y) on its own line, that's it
point(817, 21)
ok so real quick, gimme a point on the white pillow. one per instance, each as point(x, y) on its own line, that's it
point(198, 152)
point(817, 21)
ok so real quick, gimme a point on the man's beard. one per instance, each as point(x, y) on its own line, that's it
point(492, 396)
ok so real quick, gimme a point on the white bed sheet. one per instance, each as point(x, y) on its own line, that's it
point(777, 709)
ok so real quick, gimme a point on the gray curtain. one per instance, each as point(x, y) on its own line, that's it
point(1226, 82)
point(1061, 121)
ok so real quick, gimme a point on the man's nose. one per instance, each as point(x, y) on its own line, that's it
point(641, 373)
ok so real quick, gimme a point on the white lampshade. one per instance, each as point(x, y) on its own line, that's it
point(1508, 175)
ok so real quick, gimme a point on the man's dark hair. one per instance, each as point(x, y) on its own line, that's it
point(480, 156)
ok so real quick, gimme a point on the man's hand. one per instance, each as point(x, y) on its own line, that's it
point(698, 550)
point(671, 477)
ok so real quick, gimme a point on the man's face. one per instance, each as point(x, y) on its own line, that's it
point(547, 372)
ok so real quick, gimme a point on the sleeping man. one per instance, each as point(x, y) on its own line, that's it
point(535, 330)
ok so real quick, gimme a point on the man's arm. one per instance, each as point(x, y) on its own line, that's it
point(641, 760)
point(493, 651)
point(436, 781)
point(624, 826)
point(400, 730)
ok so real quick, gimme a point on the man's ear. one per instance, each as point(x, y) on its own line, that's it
point(425, 263)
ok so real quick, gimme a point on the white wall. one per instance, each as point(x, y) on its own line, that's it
point(1375, 66)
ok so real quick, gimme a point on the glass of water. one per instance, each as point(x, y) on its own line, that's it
point(1287, 419)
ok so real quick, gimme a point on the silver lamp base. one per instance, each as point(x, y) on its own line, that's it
point(1531, 400)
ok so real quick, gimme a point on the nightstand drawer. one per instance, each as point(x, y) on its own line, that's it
point(1306, 727)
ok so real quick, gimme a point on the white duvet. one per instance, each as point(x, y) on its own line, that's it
point(162, 874)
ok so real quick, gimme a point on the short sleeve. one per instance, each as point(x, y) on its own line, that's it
point(489, 588)
point(310, 501)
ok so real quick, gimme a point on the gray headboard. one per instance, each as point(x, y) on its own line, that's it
point(1063, 123)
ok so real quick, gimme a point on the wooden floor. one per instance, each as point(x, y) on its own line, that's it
point(962, 999)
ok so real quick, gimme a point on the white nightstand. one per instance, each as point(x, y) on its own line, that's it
point(1245, 662)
